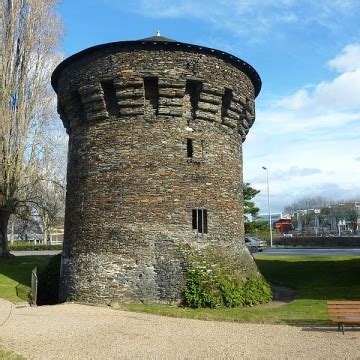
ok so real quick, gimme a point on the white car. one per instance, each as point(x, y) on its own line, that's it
point(255, 244)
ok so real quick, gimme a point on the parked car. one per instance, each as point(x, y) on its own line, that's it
point(346, 233)
point(289, 235)
point(255, 244)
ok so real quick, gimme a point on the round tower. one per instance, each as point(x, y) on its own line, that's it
point(155, 161)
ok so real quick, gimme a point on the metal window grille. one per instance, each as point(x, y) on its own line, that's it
point(200, 221)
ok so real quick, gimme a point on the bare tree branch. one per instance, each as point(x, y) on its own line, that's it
point(30, 33)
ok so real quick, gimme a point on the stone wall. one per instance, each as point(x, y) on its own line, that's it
point(1, 48)
point(153, 136)
point(1, 81)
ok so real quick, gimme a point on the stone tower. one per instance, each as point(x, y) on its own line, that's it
point(155, 160)
point(1, 48)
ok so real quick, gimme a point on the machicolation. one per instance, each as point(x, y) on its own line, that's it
point(155, 161)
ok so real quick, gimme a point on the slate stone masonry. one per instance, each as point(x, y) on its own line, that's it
point(155, 132)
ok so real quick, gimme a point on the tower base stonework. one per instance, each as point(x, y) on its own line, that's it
point(155, 163)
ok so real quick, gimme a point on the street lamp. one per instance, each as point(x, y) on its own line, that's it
point(269, 207)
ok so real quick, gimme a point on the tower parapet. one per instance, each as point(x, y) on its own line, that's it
point(155, 160)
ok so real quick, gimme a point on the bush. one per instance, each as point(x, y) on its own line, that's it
point(215, 279)
point(257, 291)
point(48, 282)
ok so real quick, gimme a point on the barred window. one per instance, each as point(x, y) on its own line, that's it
point(200, 221)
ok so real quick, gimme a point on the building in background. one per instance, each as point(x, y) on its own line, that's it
point(340, 219)
point(274, 218)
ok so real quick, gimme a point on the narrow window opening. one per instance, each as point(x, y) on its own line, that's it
point(226, 101)
point(193, 88)
point(151, 86)
point(190, 148)
point(202, 149)
point(111, 103)
point(200, 221)
point(194, 219)
point(200, 226)
point(205, 226)
point(78, 105)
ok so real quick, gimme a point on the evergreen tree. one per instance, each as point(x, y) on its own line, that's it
point(249, 206)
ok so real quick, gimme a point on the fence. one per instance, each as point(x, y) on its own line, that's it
point(34, 286)
point(35, 239)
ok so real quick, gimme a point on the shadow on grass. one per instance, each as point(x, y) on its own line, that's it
point(315, 278)
point(18, 269)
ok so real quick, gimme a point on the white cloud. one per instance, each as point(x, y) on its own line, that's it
point(340, 93)
point(309, 140)
point(295, 171)
point(249, 19)
point(348, 60)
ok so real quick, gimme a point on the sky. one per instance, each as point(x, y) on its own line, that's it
point(307, 53)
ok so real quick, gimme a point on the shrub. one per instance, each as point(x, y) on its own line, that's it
point(257, 291)
point(214, 278)
point(48, 282)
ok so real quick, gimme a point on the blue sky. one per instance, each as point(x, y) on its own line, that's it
point(307, 129)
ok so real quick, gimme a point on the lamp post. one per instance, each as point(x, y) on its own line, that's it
point(269, 207)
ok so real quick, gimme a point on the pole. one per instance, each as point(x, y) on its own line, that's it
point(269, 206)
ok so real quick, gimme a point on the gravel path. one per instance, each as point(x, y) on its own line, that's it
point(74, 331)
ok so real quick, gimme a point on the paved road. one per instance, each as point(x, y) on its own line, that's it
point(308, 252)
point(38, 252)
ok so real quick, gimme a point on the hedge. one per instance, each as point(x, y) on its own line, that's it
point(318, 241)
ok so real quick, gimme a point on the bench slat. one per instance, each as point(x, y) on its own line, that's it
point(345, 321)
point(344, 312)
point(338, 302)
point(344, 307)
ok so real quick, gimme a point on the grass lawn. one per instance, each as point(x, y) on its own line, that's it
point(315, 280)
point(15, 276)
point(7, 355)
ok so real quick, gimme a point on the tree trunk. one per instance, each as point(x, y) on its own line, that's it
point(4, 220)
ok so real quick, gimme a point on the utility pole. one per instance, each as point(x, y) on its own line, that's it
point(269, 207)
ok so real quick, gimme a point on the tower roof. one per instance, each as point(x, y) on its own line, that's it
point(157, 42)
point(158, 38)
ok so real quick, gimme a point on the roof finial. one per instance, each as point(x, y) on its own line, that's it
point(158, 33)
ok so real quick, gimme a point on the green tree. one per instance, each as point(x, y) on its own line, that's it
point(249, 206)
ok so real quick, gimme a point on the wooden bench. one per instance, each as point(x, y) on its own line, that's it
point(344, 312)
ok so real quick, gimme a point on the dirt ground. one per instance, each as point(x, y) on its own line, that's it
point(74, 331)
